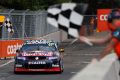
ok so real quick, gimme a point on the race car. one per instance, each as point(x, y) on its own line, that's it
point(39, 56)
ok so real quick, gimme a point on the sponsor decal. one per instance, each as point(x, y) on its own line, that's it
point(38, 54)
point(37, 58)
point(38, 41)
point(37, 62)
point(48, 42)
point(18, 65)
point(55, 65)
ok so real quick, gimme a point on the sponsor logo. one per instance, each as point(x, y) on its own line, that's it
point(18, 65)
point(38, 62)
point(38, 54)
point(38, 41)
point(49, 42)
point(11, 49)
point(36, 58)
point(53, 65)
point(104, 17)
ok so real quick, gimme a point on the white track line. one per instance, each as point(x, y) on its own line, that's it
point(7, 63)
point(73, 41)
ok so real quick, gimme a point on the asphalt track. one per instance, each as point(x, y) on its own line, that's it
point(76, 57)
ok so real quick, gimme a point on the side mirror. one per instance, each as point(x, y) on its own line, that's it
point(17, 50)
point(61, 50)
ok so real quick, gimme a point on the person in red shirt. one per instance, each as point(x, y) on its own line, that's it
point(113, 38)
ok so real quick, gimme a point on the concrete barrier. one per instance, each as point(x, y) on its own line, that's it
point(106, 69)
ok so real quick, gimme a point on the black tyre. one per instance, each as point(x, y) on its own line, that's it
point(61, 66)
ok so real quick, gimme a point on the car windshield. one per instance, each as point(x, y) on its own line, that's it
point(38, 47)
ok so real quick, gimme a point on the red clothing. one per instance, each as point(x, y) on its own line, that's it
point(117, 47)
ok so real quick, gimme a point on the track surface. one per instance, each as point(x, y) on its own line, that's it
point(76, 57)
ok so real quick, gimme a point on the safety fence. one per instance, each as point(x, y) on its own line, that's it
point(28, 24)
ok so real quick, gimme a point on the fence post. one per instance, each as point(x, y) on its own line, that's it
point(36, 25)
point(23, 24)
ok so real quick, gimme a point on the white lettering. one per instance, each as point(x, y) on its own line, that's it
point(11, 49)
point(104, 17)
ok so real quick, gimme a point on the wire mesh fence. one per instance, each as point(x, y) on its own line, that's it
point(27, 24)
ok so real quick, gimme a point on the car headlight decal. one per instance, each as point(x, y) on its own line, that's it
point(56, 54)
point(21, 58)
point(50, 58)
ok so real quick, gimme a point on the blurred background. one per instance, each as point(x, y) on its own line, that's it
point(44, 4)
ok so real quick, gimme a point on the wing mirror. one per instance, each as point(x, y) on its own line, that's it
point(61, 50)
point(17, 50)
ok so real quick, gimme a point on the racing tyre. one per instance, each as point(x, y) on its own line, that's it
point(15, 72)
point(61, 66)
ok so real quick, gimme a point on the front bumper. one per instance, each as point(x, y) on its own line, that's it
point(49, 66)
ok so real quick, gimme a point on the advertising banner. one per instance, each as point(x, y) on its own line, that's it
point(9, 47)
point(102, 15)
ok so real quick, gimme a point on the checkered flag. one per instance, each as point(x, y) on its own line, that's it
point(8, 25)
point(67, 16)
